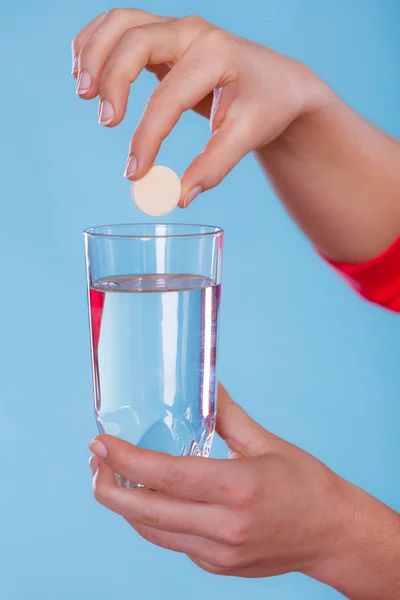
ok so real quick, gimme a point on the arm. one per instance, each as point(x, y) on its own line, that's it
point(368, 565)
point(339, 177)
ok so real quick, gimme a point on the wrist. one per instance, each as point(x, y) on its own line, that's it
point(319, 102)
point(318, 96)
point(311, 100)
point(362, 558)
point(314, 109)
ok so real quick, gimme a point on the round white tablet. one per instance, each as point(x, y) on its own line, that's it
point(158, 192)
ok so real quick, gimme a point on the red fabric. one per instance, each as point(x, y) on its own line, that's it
point(378, 279)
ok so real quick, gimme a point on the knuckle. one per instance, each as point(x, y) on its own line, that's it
point(227, 491)
point(130, 35)
point(115, 13)
point(244, 496)
point(136, 37)
point(214, 38)
point(235, 532)
point(123, 14)
point(194, 19)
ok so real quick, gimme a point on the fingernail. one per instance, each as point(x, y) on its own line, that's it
point(106, 112)
point(131, 165)
point(192, 194)
point(83, 83)
point(98, 448)
point(74, 65)
point(94, 465)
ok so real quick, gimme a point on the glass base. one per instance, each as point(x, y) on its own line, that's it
point(126, 484)
point(194, 451)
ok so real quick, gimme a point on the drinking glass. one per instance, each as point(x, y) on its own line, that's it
point(154, 296)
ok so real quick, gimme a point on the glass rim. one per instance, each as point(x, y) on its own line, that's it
point(100, 231)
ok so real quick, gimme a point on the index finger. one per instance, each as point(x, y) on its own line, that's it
point(187, 477)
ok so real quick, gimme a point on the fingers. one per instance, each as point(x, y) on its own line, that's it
point(80, 39)
point(154, 43)
point(186, 477)
point(115, 48)
point(151, 509)
point(240, 432)
point(97, 43)
point(154, 509)
point(204, 67)
point(185, 86)
point(208, 554)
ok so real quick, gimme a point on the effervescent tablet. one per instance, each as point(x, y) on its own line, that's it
point(158, 192)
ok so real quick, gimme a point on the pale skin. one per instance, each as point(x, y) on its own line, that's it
point(275, 509)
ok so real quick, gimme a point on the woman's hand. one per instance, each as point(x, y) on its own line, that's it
point(250, 93)
point(337, 174)
point(273, 510)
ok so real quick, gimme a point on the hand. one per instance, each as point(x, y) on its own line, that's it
point(250, 93)
point(273, 510)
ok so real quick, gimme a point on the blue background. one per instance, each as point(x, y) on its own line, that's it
point(305, 356)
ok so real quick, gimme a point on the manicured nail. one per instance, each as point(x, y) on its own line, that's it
point(74, 65)
point(192, 194)
point(98, 448)
point(131, 165)
point(106, 112)
point(94, 465)
point(83, 83)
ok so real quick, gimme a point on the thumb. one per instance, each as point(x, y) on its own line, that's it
point(240, 432)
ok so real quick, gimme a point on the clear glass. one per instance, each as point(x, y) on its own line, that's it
point(154, 296)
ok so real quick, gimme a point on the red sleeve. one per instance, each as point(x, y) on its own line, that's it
point(378, 279)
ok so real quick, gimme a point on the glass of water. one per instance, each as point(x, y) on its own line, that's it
point(154, 298)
